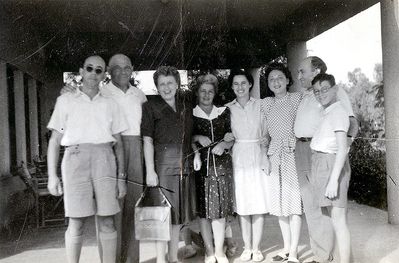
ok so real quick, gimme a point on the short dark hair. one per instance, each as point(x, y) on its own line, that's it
point(324, 77)
point(318, 63)
point(207, 79)
point(240, 72)
point(280, 67)
point(166, 71)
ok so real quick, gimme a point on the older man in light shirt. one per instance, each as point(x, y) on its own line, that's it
point(308, 119)
point(130, 99)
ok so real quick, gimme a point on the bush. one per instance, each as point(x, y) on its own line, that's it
point(368, 180)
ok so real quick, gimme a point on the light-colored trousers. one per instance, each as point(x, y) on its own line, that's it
point(320, 228)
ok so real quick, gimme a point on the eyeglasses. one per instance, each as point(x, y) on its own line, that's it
point(318, 92)
point(97, 70)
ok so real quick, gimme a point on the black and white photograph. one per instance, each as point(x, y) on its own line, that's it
point(215, 131)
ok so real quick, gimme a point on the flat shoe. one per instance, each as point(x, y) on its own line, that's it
point(257, 256)
point(246, 255)
point(292, 260)
point(280, 257)
point(210, 259)
point(222, 259)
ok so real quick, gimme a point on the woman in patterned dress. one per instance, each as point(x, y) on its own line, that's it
point(250, 164)
point(214, 168)
point(279, 113)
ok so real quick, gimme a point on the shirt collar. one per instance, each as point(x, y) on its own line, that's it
point(80, 93)
point(332, 107)
point(111, 89)
point(198, 112)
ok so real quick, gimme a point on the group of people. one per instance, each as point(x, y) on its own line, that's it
point(282, 155)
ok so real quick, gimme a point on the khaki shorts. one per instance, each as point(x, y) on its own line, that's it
point(322, 165)
point(89, 179)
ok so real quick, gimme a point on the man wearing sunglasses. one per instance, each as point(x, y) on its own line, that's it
point(130, 100)
point(88, 124)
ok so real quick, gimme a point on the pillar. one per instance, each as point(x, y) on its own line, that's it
point(255, 92)
point(390, 55)
point(33, 118)
point(296, 52)
point(4, 127)
point(19, 99)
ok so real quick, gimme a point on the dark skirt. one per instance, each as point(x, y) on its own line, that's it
point(180, 191)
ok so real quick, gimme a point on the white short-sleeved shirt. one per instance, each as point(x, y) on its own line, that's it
point(310, 113)
point(130, 104)
point(335, 119)
point(82, 120)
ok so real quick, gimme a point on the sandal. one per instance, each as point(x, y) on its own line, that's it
point(292, 260)
point(280, 257)
point(246, 255)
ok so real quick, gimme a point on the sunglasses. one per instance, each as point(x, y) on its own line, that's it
point(97, 70)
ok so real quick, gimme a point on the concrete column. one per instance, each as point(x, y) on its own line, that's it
point(390, 52)
point(296, 52)
point(19, 99)
point(33, 119)
point(4, 127)
point(255, 92)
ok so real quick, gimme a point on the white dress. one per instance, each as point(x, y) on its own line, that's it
point(250, 182)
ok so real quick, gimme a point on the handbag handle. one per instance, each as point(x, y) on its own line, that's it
point(153, 196)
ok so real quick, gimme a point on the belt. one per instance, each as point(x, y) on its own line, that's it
point(304, 139)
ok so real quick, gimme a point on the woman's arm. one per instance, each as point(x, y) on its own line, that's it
point(148, 148)
point(340, 158)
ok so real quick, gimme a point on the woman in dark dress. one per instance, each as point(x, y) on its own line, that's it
point(214, 168)
point(166, 128)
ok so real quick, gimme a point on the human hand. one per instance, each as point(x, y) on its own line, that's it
point(54, 186)
point(122, 188)
point(218, 149)
point(152, 178)
point(68, 88)
point(265, 165)
point(228, 137)
point(197, 162)
point(332, 189)
point(204, 140)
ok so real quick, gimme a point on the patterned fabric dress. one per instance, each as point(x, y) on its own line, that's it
point(214, 181)
point(250, 182)
point(284, 194)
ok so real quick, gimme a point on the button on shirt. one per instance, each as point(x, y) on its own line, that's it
point(310, 113)
point(130, 104)
point(335, 118)
point(84, 120)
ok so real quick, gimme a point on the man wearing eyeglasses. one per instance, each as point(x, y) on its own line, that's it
point(89, 125)
point(308, 119)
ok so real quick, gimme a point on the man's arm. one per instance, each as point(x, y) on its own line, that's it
point(53, 152)
point(148, 149)
point(120, 158)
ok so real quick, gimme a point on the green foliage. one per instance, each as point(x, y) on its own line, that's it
point(367, 155)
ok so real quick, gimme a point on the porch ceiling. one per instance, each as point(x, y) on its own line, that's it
point(58, 34)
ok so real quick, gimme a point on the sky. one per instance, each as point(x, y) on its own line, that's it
point(354, 43)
